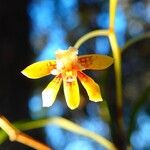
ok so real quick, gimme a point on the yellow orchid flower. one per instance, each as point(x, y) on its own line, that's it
point(67, 67)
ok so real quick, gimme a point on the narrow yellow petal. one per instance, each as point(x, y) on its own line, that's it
point(39, 69)
point(91, 87)
point(94, 61)
point(50, 92)
point(72, 95)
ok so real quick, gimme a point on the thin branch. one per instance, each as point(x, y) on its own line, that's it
point(69, 126)
point(90, 35)
point(130, 42)
point(15, 135)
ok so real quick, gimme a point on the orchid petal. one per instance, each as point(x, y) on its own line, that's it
point(94, 61)
point(91, 87)
point(39, 69)
point(50, 92)
point(72, 95)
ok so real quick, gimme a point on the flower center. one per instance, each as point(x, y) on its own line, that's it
point(67, 63)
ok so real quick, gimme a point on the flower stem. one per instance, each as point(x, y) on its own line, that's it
point(67, 125)
point(117, 66)
point(116, 53)
point(90, 35)
point(112, 12)
point(110, 33)
point(15, 135)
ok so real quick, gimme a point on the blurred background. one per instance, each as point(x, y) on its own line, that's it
point(32, 30)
